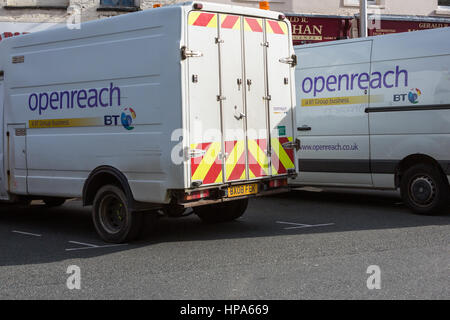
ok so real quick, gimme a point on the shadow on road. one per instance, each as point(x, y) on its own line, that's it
point(346, 210)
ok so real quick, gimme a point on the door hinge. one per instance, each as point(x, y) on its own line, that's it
point(265, 44)
point(292, 60)
point(196, 183)
point(218, 40)
point(223, 156)
point(220, 98)
point(18, 59)
point(268, 98)
point(21, 132)
point(186, 53)
point(193, 153)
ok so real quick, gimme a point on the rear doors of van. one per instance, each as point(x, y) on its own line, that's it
point(240, 98)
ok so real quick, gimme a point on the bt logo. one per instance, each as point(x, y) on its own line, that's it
point(126, 119)
point(412, 96)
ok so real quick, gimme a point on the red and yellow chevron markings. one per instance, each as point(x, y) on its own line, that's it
point(202, 19)
point(258, 162)
point(253, 25)
point(276, 27)
point(282, 159)
point(230, 22)
point(207, 168)
point(235, 161)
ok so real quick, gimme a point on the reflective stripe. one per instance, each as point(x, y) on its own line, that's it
point(253, 25)
point(257, 157)
point(230, 22)
point(235, 162)
point(276, 27)
point(282, 159)
point(201, 19)
point(207, 168)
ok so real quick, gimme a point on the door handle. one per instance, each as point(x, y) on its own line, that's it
point(237, 114)
point(304, 128)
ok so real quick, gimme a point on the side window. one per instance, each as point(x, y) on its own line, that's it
point(119, 3)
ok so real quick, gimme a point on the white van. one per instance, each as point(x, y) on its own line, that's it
point(375, 113)
point(182, 106)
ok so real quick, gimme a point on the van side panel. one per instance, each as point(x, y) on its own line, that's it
point(332, 126)
point(107, 94)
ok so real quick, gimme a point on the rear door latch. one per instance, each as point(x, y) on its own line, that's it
point(292, 145)
point(292, 60)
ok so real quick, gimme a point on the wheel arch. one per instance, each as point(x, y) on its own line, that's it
point(414, 159)
point(104, 175)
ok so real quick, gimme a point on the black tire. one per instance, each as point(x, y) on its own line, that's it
point(222, 212)
point(425, 190)
point(113, 219)
point(54, 202)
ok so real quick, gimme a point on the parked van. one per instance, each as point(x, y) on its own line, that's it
point(375, 113)
point(182, 106)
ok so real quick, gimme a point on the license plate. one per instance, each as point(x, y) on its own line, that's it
point(242, 190)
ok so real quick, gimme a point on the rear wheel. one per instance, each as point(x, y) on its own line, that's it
point(425, 190)
point(222, 212)
point(113, 219)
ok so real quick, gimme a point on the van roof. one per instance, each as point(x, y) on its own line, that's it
point(394, 36)
point(129, 19)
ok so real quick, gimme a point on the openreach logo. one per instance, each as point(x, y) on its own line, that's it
point(108, 98)
point(413, 95)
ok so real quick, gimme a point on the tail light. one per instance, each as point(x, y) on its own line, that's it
point(196, 195)
point(278, 183)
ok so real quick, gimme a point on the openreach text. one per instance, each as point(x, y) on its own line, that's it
point(376, 80)
point(82, 98)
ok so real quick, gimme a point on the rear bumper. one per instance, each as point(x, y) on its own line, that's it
point(216, 194)
point(225, 199)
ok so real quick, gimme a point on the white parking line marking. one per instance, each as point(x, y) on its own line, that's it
point(27, 233)
point(310, 189)
point(310, 226)
point(92, 246)
point(301, 225)
point(84, 244)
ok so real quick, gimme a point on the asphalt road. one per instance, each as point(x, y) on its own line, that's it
point(301, 245)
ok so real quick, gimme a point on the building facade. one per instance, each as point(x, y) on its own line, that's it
point(312, 21)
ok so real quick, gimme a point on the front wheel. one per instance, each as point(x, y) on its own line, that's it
point(425, 190)
point(113, 219)
point(222, 212)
